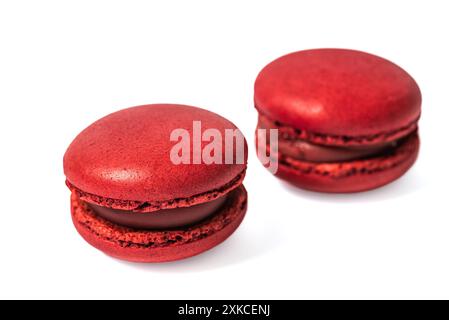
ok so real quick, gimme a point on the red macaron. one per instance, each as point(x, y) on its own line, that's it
point(132, 201)
point(346, 119)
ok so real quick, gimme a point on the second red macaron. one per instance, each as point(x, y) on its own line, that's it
point(346, 119)
point(131, 201)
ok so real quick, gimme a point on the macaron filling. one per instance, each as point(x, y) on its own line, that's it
point(303, 150)
point(161, 219)
point(307, 151)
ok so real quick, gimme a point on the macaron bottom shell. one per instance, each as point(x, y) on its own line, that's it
point(350, 176)
point(159, 246)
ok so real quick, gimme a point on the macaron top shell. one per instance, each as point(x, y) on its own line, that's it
point(126, 156)
point(341, 93)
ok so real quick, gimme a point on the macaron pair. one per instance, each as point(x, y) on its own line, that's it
point(129, 198)
point(347, 120)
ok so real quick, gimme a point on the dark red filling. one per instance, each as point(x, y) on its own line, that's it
point(307, 151)
point(161, 219)
point(303, 150)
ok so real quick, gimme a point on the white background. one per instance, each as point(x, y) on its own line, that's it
point(65, 64)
